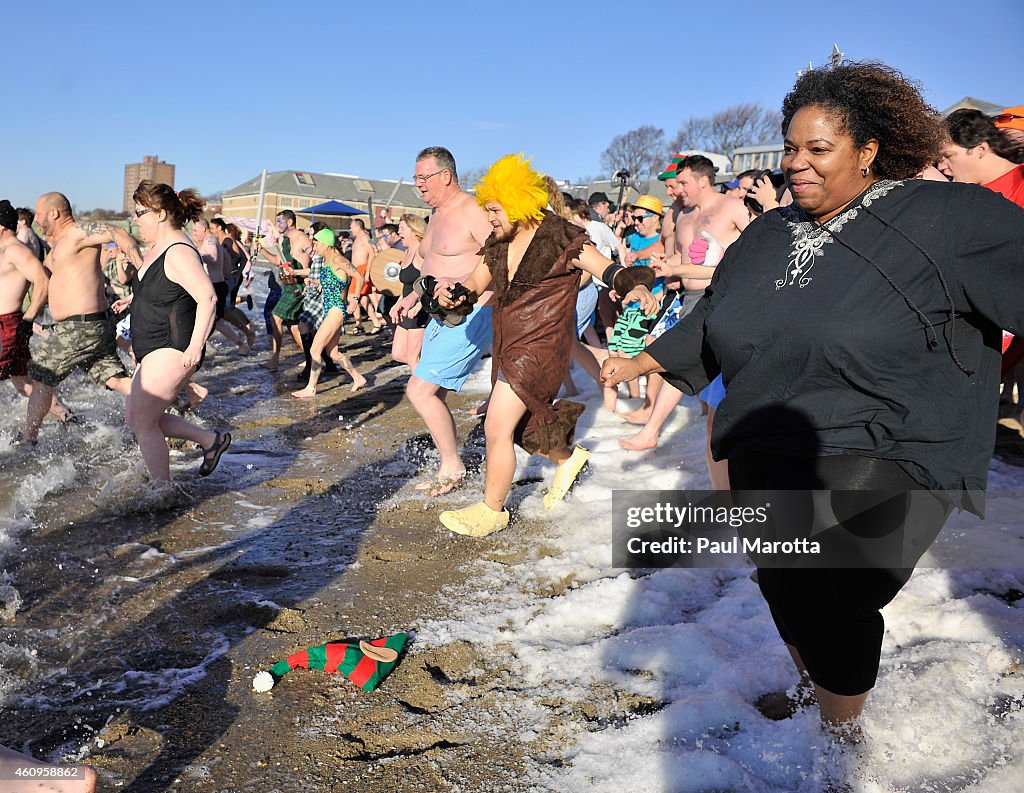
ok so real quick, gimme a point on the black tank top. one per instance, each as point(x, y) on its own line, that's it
point(163, 314)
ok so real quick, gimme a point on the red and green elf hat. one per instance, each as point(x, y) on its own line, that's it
point(672, 168)
point(366, 664)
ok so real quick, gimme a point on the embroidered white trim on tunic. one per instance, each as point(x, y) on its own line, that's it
point(809, 238)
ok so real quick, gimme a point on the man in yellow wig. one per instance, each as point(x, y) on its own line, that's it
point(532, 261)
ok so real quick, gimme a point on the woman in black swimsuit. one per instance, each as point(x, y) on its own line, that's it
point(172, 305)
point(405, 348)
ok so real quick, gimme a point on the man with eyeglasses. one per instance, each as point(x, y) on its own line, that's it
point(450, 249)
point(83, 336)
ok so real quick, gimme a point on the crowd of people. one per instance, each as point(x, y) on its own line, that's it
point(837, 336)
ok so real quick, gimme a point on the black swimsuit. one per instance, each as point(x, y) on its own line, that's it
point(408, 275)
point(163, 313)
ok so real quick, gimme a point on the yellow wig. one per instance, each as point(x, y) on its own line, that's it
point(519, 189)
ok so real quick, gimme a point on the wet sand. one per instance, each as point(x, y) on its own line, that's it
point(149, 626)
point(146, 627)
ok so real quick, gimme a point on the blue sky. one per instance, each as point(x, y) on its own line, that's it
point(224, 89)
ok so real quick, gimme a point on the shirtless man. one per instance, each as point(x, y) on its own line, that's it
point(27, 235)
point(704, 210)
point(457, 230)
point(83, 336)
point(294, 259)
point(19, 269)
point(362, 255)
point(670, 176)
point(214, 259)
point(708, 224)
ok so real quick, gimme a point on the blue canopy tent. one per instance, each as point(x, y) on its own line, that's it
point(332, 207)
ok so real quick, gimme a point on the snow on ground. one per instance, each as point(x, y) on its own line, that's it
point(666, 665)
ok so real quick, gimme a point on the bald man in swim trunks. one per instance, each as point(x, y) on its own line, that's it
point(451, 249)
point(83, 336)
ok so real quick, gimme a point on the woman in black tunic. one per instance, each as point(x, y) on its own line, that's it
point(858, 334)
point(172, 314)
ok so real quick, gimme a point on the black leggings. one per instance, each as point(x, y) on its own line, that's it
point(236, 284)
point(831, 616)
point(220, 288)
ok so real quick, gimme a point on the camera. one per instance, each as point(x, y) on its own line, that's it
point(452, 317)
point(777, 178)
point(778, 181)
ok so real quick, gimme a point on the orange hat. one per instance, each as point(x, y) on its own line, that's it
point(1010, 118)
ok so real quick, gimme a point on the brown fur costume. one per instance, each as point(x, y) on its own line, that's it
point(534, 328)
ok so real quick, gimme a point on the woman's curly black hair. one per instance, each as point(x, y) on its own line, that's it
point(874, 101)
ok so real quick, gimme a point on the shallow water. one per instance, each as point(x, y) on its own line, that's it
point(132, 593)
point(144, 614)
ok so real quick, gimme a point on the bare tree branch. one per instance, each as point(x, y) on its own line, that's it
point(471, 176)
point(747, 124)
point(640, 151)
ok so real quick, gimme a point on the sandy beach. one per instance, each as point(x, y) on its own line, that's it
point(194, 608)
point(533, 666)
point(165, 615)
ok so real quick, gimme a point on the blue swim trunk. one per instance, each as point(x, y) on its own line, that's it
point(714, 392)
point(449, 354)
point(586, 305)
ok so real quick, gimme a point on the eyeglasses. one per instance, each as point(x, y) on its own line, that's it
point(641, 218)
point(1002, 118)
point(423, 179)
point(140, 212)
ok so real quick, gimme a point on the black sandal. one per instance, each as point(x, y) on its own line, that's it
point(212, 455)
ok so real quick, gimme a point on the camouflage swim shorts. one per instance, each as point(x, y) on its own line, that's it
point(74, 344)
